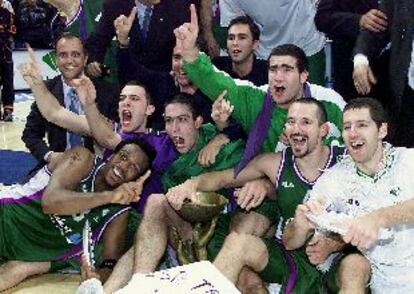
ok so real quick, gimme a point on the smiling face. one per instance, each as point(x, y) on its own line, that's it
point(177, 67)
point(303, 128)
point(126, 165)
point(181, 126)
point(363, 138)
point(240, 43)
point(134, 109)
point(70, 58)
point(285, 80)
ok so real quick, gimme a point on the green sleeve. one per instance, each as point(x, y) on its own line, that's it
point(334, 114)
point(246, 98)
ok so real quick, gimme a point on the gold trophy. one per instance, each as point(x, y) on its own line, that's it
point(203, 217)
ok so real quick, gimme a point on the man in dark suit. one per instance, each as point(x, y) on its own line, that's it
point(71, 61)
point(400, 32)
point(342, 21)
point(152, 48)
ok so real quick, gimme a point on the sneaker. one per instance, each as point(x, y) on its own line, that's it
point(8, 115)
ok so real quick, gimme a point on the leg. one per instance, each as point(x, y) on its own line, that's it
point(122, 272)
point(250, 282)
point(8, 88)
point(152, 234)
point(347, 279)
point(250, 223)
point(13, 272)
point(241, 250)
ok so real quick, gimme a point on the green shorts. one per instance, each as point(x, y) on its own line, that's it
point(293, 270)
point(220, 233)
point(269, 209)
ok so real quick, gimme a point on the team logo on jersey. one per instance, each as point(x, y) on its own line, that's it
point(286, 184)
point(395, 191)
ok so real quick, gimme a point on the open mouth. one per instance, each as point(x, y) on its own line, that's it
point(126, 117)
point(236, 51)
point(356, 145)
point(178, 141)
point(118, 174)
point(279, 90)
point(298, 139)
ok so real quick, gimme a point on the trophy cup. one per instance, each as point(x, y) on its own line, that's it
point(203, 217)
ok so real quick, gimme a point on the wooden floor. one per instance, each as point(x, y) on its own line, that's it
point(10, 132)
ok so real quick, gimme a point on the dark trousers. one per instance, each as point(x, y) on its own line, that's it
point(404, 122)
point(6, 74)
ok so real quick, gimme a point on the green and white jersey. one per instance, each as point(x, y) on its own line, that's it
point(292, 186)
point(347, 191)
point(247, 100)
point(28, 234)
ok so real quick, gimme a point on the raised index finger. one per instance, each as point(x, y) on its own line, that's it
point(143, 178)
point(32, 55)
point(194, 19)
point(133, 13)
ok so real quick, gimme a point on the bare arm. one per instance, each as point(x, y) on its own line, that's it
point(364, 230)
point(60, 197)
point(101, 127)
point(300, 229)
point(207, 155)
point(264, 165)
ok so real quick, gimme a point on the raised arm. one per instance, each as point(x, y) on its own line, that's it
point(47, 104)
point(100, 127)
point(246, 98)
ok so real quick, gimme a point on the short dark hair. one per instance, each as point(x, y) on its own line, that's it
point(376, 110)
point(322, 114)
point(148, 149)
point(69, 36)
point(244, 19)
point(186, 99)
point(148, 95)
point(291, 50)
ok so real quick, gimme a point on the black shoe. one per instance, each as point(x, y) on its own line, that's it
point(8, 115)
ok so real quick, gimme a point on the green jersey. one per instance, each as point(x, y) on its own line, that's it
point(247, 100)
point(292, 186)
point(187, 166)
point(28, 234)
